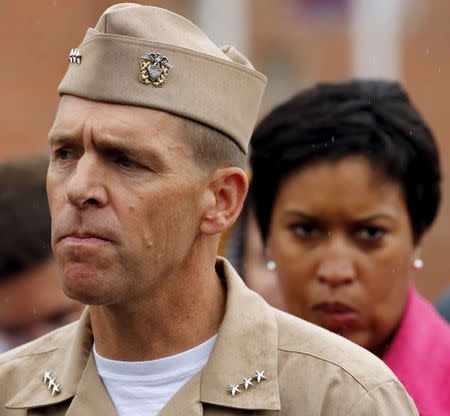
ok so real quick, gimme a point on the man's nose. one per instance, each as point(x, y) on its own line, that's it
point(86, 186)
point(336, 269)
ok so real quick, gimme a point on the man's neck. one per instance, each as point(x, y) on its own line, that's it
point(172, 320)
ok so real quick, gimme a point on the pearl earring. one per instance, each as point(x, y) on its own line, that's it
point(271, 265)
point(418, 264)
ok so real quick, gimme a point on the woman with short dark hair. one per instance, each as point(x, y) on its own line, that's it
point(346, 180)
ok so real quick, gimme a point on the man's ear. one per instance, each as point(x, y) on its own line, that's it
point(229, 188)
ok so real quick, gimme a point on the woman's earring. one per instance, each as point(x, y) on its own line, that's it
point(271, 265)
point(418, 264)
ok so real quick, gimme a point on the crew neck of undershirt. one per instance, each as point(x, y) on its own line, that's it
point(158, 370)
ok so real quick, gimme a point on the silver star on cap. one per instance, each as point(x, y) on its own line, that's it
point(260, 376)
point(233, 389)
point(247, 382)
point(75, 56)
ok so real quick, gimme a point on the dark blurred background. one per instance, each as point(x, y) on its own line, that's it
point(294, 42)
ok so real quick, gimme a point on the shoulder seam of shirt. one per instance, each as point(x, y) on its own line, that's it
point(337, 365)
point(369, 392)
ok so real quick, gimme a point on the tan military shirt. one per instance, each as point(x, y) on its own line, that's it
point(308, 370)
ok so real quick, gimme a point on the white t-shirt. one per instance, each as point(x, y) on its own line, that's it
point(142, 388)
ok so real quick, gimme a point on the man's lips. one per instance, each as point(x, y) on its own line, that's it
point(335, 316)
point(84, 238)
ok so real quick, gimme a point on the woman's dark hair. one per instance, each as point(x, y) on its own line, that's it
point(371, 118)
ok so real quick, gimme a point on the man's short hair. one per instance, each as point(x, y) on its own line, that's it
point(25, 217)
point(211, 148)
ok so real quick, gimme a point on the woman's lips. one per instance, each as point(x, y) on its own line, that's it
point(335, 316)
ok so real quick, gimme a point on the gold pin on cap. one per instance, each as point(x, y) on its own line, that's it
point(154, 69)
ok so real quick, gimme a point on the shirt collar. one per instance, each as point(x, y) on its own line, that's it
point(247, 342)
point(66, 362)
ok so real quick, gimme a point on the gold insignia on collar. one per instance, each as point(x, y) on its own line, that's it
point(154, 69)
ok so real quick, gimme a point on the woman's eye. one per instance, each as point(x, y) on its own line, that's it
point(305, 230)
point(371, 233)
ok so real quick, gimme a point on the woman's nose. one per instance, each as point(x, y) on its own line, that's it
point(336, 270)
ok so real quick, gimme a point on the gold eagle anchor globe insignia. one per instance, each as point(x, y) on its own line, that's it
point(154, 69)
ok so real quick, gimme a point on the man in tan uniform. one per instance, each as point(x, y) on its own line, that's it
point(147, 156)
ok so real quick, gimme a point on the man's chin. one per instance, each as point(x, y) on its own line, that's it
point(79, 272)
point(85, 285)
point(85, 296)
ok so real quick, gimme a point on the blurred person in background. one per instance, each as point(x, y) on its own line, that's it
point(346, 180)
point(32, 302)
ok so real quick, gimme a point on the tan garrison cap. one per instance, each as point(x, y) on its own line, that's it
point(151, 57)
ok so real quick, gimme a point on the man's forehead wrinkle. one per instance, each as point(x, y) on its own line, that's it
point(67, 124)
point(59, 134)
point(155, 136)
point(117, 132)
point(105, 138)
point(128, 122)
point(87, 131)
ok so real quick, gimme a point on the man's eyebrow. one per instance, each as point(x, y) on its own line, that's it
point(141, 155)
point(110, 144)
point(113, 146)
point(59, 133)
point(58, 137)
